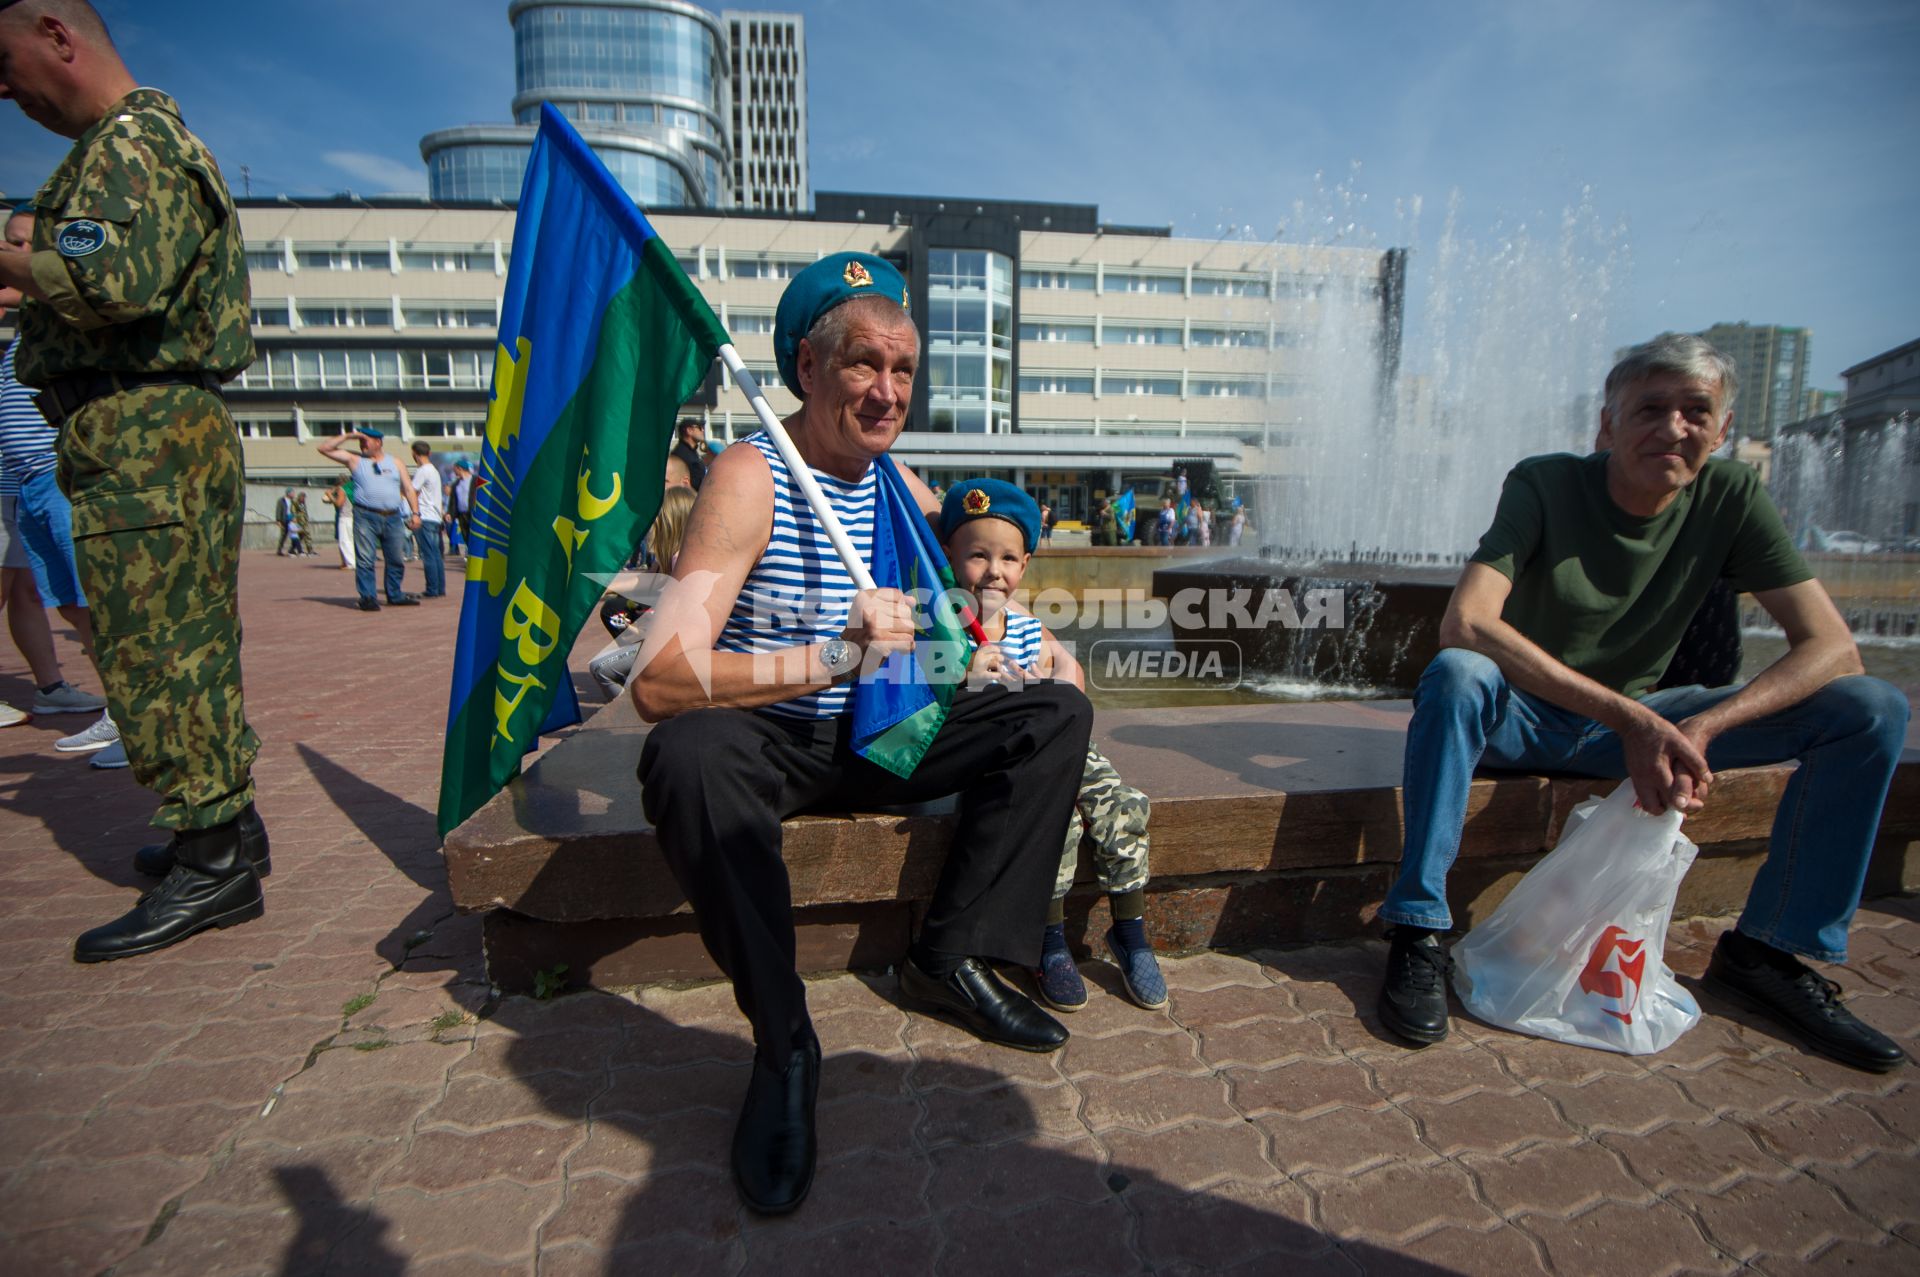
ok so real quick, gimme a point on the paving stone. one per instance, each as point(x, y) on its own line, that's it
point(413, 1064)
point(880, 1030)
point(1647, 1241)
point(1441, 1073)
point(1189, 1157)
point(831, 995)
point(1553, 1179)
point(604, 1211)
point(1884, 1188)
point(75, 1248)
point(863, 1247)
point(859, 1126)
point(1203, 971)
point(697, 1138)
point(1824, 1134)
point(1131, 1054)
point(74, 1090)
point(443, 1161)
point(317, 1116)
point(973, 1065)
point(1899, 1110)
point(182, 1132)
point(1395, 1203)
point(118, 1046)
point(1484, 1122)
point(497, 1220)
point(1230, 1004)
point(122, 1193)
point(1706, 1155)
point(263, 1175)
point(1344, 1141)
point(645, 1093)
point(24, 1134)
point(1890, 1258)
point(1616, 1103)
point(1301, 1088)
point(286, 1040)
point(1791, 1217)
point(1034, 1244)
point(1225, 1226)
point(587, 1050)
point(476, 1102)
point(874, 1188)
point(850, 1073)
point(1457, 1250)
point(1007, 1178)
point(1000, 1113)
point(1258, 1044)
point(675, 1253)
point(1155, 1101)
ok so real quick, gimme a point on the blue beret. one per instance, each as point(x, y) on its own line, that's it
point(817, 290)
point(372, 432)
point(991, 499)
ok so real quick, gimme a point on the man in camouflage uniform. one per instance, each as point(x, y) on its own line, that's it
point(137, 310)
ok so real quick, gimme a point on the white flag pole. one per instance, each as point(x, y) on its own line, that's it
point(802, 474)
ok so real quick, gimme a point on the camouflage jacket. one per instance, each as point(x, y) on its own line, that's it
point(139, 253)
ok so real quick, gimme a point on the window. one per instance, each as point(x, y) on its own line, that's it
point(346, 315)
point(749, 321)
point(450, 315)
point(270, 313)
point(1127, 383)
point(1056, 330)
point(266, 428)
point(1142, 334)
point(1142, 282)
point(1078, 281)
point(1230, 286)
point(266, 257)
point(328, 257)
point(432, 257)
point(951, 268)
point(445, 427)
point(1228, 387)
point(1056, 383)
point(1255, 338)
point(765, 268)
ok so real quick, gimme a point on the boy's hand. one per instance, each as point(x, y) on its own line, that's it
point(991, 664)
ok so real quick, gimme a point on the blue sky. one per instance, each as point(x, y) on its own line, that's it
point(1756, 159)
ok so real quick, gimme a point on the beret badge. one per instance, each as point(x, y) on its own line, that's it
point(977, 502)
point(856, 276)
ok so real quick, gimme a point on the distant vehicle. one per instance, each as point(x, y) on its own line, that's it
point(1843, 542)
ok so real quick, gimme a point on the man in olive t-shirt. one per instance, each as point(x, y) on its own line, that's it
point(1553, 641)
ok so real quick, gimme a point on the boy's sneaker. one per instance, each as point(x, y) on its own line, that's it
point(11, 717)
point(65, 698)
point(102, 733)
point(112, 758)
point(1139, 969)
point(1059, 983)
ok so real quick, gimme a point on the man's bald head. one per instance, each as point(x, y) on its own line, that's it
point(57, 61)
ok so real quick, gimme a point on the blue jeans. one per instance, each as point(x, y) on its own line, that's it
point(1847, 736)
point(44, 520)
point(372, 529)
point(432, 559)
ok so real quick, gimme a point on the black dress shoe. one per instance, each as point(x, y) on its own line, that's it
point(405, 600)
point(1413, 1001)
point(156, 860)
point(979, 1000)
point(1800, 1000)
point(368, 605)
point(774, 1145)
point(212, 884)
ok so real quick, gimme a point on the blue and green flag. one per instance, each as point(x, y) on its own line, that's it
point(1123, 514)
point(602, 338)
point(898, 709)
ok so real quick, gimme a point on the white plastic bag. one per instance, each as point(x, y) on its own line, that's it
point(1576, 952)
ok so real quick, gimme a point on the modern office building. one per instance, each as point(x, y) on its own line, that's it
point(682, 117)
point(1857, 468)
point(1772, 364)
point(1062, 353)
point(769, 52)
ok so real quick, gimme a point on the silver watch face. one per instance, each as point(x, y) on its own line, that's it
point(835, 654)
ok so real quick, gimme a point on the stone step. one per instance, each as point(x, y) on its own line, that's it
point(1271, 824)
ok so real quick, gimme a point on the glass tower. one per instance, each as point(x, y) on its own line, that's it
point(647, 83)
point(969, 341)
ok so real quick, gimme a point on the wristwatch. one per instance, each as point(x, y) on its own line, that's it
point(837, 657)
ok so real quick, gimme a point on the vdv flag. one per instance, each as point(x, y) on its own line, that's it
point(1123, 515)
point(602, 338)
point(898, 710)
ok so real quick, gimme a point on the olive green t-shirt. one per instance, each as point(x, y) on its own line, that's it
point(1608, 593)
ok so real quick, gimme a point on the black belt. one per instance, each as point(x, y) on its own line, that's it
point(68, 395)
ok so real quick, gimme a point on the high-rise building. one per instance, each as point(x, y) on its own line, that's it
point(769, 53)
point(1772, 366)
point(652, 86)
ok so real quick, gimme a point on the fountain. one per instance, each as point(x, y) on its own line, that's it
point(1401, 443)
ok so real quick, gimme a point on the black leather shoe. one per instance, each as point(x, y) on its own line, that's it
point(405, 600)
point(774, 1144)
point(1803, 1002)
point(156, 859)
point(979, 1000)
point(1413, 1001)
point(212, 884)
point(368, 605)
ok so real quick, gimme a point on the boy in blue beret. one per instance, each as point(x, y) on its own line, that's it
point(990, 529)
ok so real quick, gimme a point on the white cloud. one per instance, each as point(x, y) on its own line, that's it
point(381, 175)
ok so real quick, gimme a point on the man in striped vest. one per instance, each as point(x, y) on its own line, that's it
point(752, 702)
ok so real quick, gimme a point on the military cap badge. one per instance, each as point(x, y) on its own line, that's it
point(856, 276)
point(977, 502)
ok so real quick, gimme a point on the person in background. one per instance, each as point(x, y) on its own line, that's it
point(302, 525)
point(385, 508)
point(1237, 526)
point(283, 519)
point(693, 433)
point(426, 487)
point(460, 507)
point(338, 497)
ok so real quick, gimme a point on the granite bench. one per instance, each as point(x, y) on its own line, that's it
point(1272, 824)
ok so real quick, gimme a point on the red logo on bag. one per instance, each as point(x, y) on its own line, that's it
point(1615, 971)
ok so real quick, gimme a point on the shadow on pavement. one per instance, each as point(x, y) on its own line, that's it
point(922, 1167)
point(333, 1236)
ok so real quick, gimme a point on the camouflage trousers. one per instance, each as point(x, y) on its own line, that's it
point(155, 478)
point(1113, 814)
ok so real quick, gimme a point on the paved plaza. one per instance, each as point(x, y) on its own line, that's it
point(336, 1089)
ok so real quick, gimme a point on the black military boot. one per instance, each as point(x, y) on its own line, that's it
point(212, 884)
point(157, 859)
